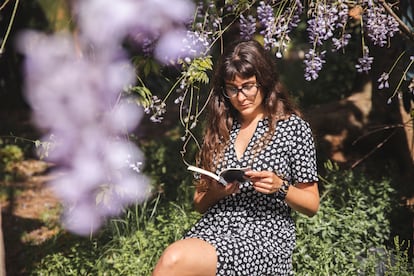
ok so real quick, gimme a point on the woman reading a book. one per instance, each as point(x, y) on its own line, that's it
point(247, 228)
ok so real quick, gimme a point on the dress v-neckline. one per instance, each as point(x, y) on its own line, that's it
point(252, 138)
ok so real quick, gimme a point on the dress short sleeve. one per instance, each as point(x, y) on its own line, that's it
point(303, 154)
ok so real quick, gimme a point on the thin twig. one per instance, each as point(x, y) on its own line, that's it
point(3, 44)
point(373, 150)
point(4, 4)
point(381, 129)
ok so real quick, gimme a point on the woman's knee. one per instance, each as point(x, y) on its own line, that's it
point(187, 257)
point(172, 257)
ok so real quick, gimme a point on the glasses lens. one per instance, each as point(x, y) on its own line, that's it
point(248, 89)
point(231, 91)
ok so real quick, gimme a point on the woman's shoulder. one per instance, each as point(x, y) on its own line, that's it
point(293, 121)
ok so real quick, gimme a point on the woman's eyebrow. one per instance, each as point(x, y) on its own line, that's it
point(243, 83)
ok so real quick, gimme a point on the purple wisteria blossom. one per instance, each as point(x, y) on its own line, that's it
point(383, 81)
point(157, 108)
point(411, 87)
point(247, 27)
point(141, 18)
point(276, 30)
point(340, 43)
point(343, 13)
point(75, 90)
point(74, 99)
point(322, 24)
point(365, 62)
point(380, 25)
point(267, 19)
point(195, 44)
point(313, 64)
point(208, 17)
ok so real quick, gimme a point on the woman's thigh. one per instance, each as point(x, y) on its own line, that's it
point(187, 257)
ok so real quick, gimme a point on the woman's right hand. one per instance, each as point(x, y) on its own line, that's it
point(221, 190)
point(204, 199)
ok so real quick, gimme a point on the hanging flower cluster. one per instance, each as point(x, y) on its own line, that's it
point(75, 86)
point(328, 25)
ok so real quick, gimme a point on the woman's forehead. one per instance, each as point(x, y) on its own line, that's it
point(240, 79)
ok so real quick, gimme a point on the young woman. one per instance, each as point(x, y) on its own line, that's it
point(246, 228)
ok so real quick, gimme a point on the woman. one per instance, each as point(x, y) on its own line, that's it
point(246, 228)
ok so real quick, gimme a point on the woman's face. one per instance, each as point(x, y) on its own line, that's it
point(246, 97)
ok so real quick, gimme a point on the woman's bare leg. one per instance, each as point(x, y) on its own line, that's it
point(187, 257)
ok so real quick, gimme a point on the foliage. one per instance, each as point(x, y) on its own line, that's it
point(346, 237)
point(142, 249)
point(167, 172)
point(127, 246)
point(9, 155)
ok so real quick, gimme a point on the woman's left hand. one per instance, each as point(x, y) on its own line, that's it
point(265, 182)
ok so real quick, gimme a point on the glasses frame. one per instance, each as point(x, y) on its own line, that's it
point(240, 90)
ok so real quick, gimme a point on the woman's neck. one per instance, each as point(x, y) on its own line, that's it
point(246, 121)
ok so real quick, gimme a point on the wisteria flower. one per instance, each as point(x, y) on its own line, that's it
point(313, 64)
point(380, 25)
point(75, 92)
point(276, 29)
point(365, 62)
point(340, 43)
point(247, 27)
point(411, 86)
point(322, 23)
point(383, 81)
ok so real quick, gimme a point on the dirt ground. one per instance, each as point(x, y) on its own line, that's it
point(29, 216)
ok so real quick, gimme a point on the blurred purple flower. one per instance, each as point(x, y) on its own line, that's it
point(181, 44)
point(76, 96)
point(116, 19)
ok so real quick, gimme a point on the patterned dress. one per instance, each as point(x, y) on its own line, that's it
point(253, 233)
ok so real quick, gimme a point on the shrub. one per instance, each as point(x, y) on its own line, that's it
point(351, 223)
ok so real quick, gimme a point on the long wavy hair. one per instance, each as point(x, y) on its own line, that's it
point(244, 59)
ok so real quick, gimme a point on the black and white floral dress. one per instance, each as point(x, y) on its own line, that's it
point(253, 233)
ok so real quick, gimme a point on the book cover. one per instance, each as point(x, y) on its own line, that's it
point(225, 176)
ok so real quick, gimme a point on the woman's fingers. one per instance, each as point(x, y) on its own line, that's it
point(264, 181)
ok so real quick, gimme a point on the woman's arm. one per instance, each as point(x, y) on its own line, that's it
point(205, 198)
point(303, 197)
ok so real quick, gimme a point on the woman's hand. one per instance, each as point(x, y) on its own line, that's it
point(265, 182)
point(204, 199)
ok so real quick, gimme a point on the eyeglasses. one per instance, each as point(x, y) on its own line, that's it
point(248, 90)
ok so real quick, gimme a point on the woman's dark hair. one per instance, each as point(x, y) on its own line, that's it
point(244, 59)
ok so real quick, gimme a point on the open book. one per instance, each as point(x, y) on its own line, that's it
point(225, 176)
